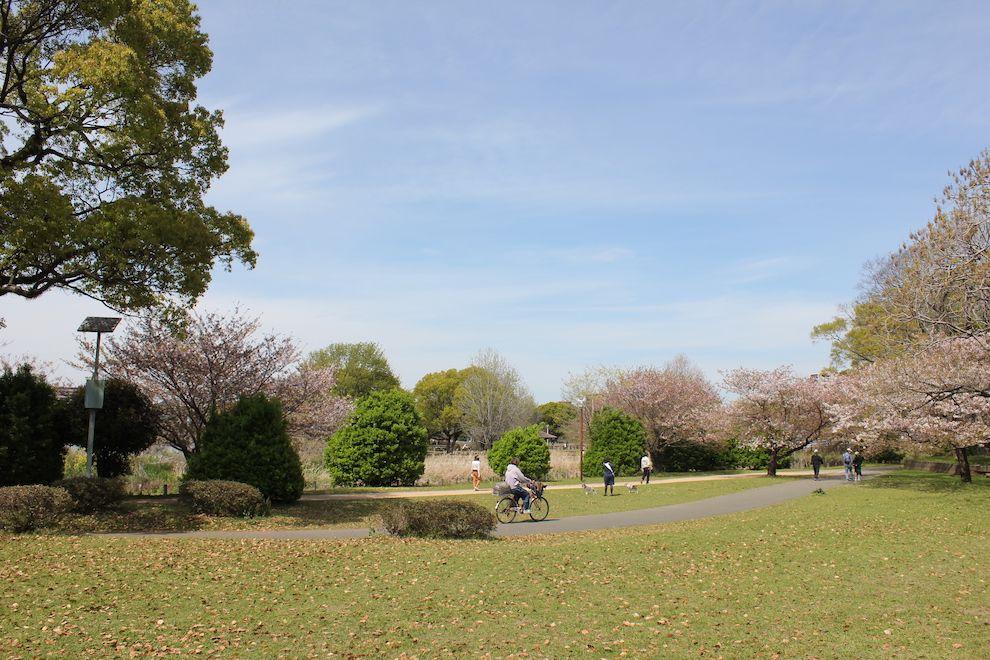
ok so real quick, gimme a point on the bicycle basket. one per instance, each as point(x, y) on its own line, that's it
point(501, 488)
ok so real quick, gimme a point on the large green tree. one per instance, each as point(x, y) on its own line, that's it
point(436, 401)
point(360, 368)
point(616, 437)
point(557, 416)
point(104, 155)
point(866, 334)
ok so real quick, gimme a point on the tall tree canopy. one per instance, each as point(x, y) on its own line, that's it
point(104, 156)
point(436, 401)
point(493, 399)
point(361, 368)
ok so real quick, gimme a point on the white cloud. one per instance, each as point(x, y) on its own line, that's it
point(284, 128)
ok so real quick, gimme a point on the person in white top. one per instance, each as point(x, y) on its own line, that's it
point(476, 472)
point(515, 479)
point(647, 464)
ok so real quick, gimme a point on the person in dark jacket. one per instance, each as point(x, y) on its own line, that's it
point(816, 463)
point(609, 475)
point(858, 465)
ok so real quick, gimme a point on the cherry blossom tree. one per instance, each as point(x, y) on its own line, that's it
point(776, 410)
point(675, 402)
point(212, 361)
point(936, 398)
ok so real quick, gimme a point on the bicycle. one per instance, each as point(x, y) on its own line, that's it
point(509, 506)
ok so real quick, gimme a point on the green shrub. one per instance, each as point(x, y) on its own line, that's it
point(692, 456)
point(125, 426)
point(31, 451)
point(92, 495)
point(615, 436)
point(446, 519)
point(217, 497)
point(750, 458)
point(249, 443)
point(525, 444)
point(884, 455)
point(26, 508)
point(383, 443)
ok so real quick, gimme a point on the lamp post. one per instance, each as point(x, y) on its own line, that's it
point(94, 386)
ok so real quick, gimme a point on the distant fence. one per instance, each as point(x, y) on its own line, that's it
point(931, 466)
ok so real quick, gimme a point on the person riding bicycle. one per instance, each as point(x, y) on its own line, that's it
point(515, 479)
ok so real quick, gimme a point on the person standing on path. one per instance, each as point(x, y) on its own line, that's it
point(816, 463)
point(647, 464)
point(609, 475)
point(858, 465)
point(476, 472)
point(847, 463)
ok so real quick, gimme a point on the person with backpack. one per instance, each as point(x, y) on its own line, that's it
point(816, 463)
point(847, 463)
point(858, 466)
point(609, 475)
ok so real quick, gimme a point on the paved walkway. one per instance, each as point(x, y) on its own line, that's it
point(754, 498)
point(405, 494)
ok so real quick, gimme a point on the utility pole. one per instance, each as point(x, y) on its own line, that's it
point(581, 450)
point(94, 386)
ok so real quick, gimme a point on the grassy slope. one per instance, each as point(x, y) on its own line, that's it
point(861, 571)
point(171, 516)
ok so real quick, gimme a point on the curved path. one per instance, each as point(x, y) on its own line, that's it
point(754, 498)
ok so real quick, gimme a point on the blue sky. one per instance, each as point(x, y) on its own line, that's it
point(574, 184)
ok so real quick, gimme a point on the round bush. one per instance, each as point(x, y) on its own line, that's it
point(31, 451)
point(249, 443)
point(615, 436)
point(444, 519)
point(217, 497)
point(92, 495)
point(26, 508)
point(126, 425)
point(383, 443)
point(526, 444)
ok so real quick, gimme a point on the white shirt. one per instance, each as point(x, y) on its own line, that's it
point(514, 476)
point(476, 466)
point(645, 462)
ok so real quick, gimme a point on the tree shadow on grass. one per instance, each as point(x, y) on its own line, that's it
point(930, 482)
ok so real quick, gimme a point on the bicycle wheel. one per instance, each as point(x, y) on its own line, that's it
point(505, 510)
point(539, 509)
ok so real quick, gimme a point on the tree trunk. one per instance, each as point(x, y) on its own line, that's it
point(772, 465)
point(962, 455)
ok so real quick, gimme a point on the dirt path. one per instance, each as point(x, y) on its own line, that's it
point(754, 498)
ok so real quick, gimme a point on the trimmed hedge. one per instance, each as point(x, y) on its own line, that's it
point(26, 508)
point(527, 445)
point(442, 520)
point(92, 495)
point(249, 443)
point(217, 497)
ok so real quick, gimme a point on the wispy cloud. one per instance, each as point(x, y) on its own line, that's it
point(286, 128)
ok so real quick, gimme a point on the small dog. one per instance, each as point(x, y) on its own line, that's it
point(633, 488)
point(588, 490)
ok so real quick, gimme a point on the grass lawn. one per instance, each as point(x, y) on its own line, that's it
point(170, 515)
point(893, 567)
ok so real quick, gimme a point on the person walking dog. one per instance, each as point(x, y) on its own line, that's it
point(609, 476)
point(647, 464)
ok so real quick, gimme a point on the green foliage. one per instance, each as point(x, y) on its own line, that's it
point(690, 457)
point(383, 443)
point(740, 456)
point(90, 495)
point(617, 437)
point(436, 402)
point(249, 443)
point(867, 335)
point(557, 415)
point(126, 425)
point(26, 508)
point(31, 451)
point(525, 444)
point(107, 157)
point(361, 368)
point(446, 519)
point(884, 455)
point(216, 497)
